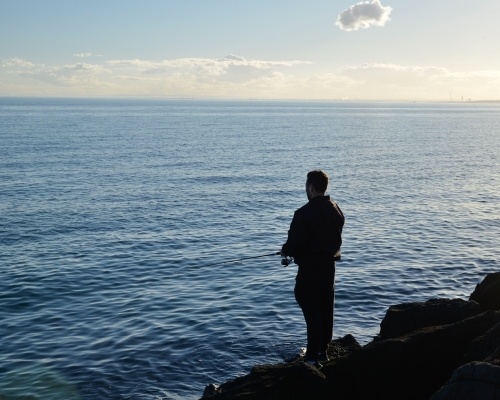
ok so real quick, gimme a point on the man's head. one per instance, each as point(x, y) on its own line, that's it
point(316, 184)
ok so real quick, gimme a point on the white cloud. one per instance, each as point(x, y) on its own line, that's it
point(397, 68)
point(422, 82)
point(79, 75)
point(204, 66)
point(363, 15)
point(476, 74)
point(82, 55)
point(274, 85)
point(233, 57)
point(84, 67)
point(17, 62)
point(238, 77)
point(429, 71)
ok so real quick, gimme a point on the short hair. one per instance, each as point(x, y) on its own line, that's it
point(319, 180)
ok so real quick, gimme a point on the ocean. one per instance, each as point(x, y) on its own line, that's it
point(111, 211)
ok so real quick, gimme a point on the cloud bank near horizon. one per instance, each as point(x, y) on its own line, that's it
point(234, 76)
point(363, 15)
point(203, 66)
point(18, 62)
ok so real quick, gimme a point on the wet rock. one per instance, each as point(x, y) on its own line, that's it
point(405, 318)
point(485, 346)
point(476, 380)
point(487, 293)
point(413, 366)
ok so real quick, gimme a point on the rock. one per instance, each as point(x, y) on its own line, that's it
point(293, 380)
point(342, 347)
point(337, 348)
point(413, 366)
point(420, 346)
point(405, 318)
point(487, 293)
point(494, 358)
point(282, 381)
point(484, 346)
point(210, 390)
point(474, 381)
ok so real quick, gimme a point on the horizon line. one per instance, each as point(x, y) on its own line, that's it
point(341, 100)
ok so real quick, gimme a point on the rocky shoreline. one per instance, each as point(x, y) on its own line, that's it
point(441, 349)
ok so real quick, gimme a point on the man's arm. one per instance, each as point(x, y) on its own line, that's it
point(297, 237)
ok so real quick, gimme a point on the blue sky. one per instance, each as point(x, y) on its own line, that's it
point(237, 49)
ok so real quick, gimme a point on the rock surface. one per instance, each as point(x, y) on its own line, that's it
point(474, 381)
point(405, 318)
point(494, 358)
point(422, 360)
point(284, 381)
point(487, 293)
point(484, 346)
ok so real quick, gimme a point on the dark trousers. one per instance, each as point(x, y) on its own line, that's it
point(314, 291)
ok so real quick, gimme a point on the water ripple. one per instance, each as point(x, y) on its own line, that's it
point(109, 211)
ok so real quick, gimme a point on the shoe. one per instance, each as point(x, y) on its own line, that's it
point(315, 364)
point(323, 357)
point(318, 366)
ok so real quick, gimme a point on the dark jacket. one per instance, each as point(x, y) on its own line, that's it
point(315, 234)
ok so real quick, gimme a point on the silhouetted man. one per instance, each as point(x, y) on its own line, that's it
point(314, 241)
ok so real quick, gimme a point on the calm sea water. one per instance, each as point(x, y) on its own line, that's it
point(109, 210)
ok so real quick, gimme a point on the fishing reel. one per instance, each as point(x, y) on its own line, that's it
point(286, 261)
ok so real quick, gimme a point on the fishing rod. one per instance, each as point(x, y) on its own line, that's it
point(284, 261)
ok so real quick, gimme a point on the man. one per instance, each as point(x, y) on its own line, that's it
point(314, 241)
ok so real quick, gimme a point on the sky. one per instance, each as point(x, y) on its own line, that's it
point(274, 49)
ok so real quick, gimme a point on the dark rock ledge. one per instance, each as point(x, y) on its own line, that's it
point(442, 349)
